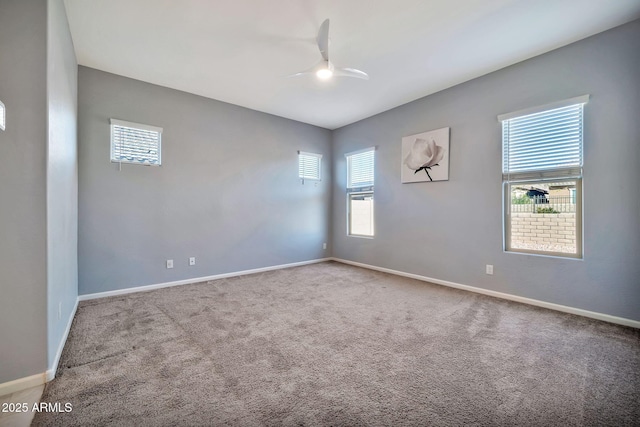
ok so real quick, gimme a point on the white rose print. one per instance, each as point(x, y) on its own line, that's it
point(424, 155)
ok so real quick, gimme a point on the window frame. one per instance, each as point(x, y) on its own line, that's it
point(547, 175)
point(3, 116)
point(140, 126)
point(318, 158)
point(349, 156)
point(349, 212)
point(367, 188)
point(507, 220)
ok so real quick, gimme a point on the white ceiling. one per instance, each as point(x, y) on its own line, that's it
point(240, 51)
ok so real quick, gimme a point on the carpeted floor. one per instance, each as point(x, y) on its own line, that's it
point(334, 345)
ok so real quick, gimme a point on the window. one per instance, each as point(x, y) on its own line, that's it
point(309, 165)
point(360, 169)
point(361, 214)
point(542, 178)
point(2, 116)
point(135, 143)
point(360, 177)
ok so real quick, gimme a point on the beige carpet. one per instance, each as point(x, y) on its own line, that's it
point(335, 345)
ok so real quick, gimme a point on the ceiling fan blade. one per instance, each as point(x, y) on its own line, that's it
point(301, 73)
point(323, 40)
point(350, 72)
point(311, 70)
point(325, 69)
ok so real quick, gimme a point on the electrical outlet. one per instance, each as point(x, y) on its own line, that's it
point(489, 269)
point(192, 260)
point(169, 263)
point(324, 246)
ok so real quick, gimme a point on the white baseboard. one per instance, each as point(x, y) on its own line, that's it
point(51, 372)
point(39, 379)
point(196, 280)
point(22, 383)
point(566, 309)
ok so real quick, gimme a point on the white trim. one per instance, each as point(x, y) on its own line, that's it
point(557, 307)
point(51, 372)
point(551, 106)
point(39, 379)
point(22, 383)
point(364, 150)
point(133, 125)
point(195, 280)
point(310, 154)
point(3, 116)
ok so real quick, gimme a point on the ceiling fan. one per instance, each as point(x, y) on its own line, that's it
point(325, 69)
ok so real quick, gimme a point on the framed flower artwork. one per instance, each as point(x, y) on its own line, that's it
point(425, 156)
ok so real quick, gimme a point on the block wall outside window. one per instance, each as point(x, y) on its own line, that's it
point(542, 170)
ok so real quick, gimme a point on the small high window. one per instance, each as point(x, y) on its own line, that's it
point(309, 166)
point(360, 180)
point(542, 178)
point(2, 116)
point(135, 143)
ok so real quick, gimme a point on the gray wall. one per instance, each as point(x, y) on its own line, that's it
point(227, 191)
point(62, 177)
point(23, 275)
point(450, 230)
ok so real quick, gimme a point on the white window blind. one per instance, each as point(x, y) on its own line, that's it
point(544, 144)
point(360, 168)
point(2, 116)
point(309, 165)
point(135, 143)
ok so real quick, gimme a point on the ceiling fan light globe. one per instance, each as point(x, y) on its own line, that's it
point(324, 73)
